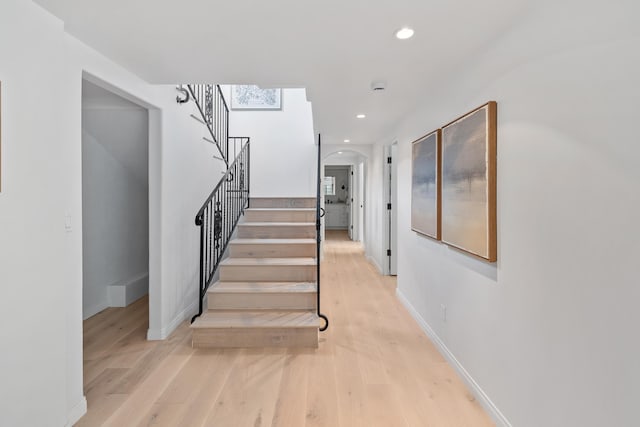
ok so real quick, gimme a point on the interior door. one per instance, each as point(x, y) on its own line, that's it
point(392, 242)
point(350, 209)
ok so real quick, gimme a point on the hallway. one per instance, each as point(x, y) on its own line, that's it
point(374, 367)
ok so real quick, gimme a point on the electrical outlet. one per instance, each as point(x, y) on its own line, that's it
point(443, 312)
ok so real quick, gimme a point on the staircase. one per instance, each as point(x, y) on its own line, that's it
point(266, 295)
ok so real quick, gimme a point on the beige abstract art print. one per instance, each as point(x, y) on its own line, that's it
point(469, 182)
point(425, 185)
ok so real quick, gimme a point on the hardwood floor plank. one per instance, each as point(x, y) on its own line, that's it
point(349, 388)
point(112, 332)
point(207, 395)
point(100, 405)
point(290, 409)
point(170, 407)
point(142, 398)
point(322, 398)
point(163, 414)
point(250, 393)
point(374, 367)
point(147, 364)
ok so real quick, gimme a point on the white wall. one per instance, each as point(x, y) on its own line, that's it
point(115, 204)
point(375, 210)
point(41, 262)
point(272, 133)
point(36, 255)
point(549, 332)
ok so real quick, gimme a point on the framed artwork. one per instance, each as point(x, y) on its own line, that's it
point(247, 97)
point(425, 185)
point(469, 182)
point(0, 136)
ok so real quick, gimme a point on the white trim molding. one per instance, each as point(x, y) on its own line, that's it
point(123, 293)
point(77, 412)
point(482, 397)
point(163, 333)
point(95, 309)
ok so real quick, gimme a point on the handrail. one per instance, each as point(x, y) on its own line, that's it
point(319, 238)
point(246, 140)
point(215, 114)
point(219, 216)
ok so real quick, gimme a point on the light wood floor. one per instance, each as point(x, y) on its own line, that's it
point(374, 367)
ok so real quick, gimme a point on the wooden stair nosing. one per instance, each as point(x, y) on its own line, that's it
point(257, 319)
point(272, 241)
point(280, 210)
point(270, 262)
point(262, 287)
point(277, 224)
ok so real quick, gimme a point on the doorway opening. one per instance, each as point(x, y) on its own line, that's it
point(115, 200)
point(337, 198)
point(343, 195)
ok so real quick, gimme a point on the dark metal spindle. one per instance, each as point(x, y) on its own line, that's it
point(221, 212)
point(318, 238)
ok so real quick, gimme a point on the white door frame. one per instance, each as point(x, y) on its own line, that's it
point(155, 207)
point(390, 190)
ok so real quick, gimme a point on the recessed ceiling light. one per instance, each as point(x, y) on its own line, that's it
point(361, 116)
point(339, 152)
point(404, 33)
point(347, 140)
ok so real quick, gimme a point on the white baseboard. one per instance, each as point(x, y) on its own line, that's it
point(163, 333)
point(93, 310)
point(77, 412)
point(124, 293)
point(373, 261)
point(482, 397)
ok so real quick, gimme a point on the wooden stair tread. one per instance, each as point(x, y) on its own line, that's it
point(283, 202)
point(277, 224)
point(280, 209)
point(269, 261)
point(222, 319)
point(263, 287)
point(291, 241)
point(284, 198)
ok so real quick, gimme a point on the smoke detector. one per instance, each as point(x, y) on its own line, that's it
point(378, 86)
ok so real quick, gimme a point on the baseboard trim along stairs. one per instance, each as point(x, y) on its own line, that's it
point(266, 293)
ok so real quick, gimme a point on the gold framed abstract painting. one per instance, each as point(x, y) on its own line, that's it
point(425, 185)
point(469, 182)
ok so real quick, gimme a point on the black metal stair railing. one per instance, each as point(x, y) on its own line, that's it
point(215, 114)
point(319, 214)
point(219, 215)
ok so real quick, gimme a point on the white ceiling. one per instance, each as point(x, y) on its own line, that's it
point(334, 48)
point(347, 157)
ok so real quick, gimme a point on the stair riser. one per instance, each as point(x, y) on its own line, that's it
point(255, 337)
point(266, 273)
point(251, 301)
point(264, 202)
point(307, 250)
point(279, 216)
point(276, 232)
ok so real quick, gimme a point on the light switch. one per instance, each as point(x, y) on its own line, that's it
point(67, 223)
